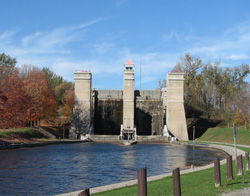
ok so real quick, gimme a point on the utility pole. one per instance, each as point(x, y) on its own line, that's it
point(235, 137)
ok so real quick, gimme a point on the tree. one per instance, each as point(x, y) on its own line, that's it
point(193, 83)
point(7, 67)
point(43, 102)
point(211, 79)
point(161, 84)
point(241, 103)
point(68, 102)
point(61, 90)
point(53, 79)
point(14, 103)
point(80, 121)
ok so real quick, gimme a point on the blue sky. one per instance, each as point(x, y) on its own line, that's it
point(102, 35)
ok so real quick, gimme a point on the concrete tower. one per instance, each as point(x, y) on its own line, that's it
point(81, 122)
point(128, 101)
point(176, 118)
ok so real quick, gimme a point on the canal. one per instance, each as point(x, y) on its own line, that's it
point(60, 169)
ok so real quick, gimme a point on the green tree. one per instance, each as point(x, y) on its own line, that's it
point(211, 76)
point(192, 67)
point(53, 79)
point(7, 67)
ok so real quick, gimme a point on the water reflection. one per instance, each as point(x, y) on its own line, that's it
point(65, 168)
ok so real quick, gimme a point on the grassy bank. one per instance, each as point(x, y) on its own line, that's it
point(197, 183)
point(225, 135)
point(21, 135)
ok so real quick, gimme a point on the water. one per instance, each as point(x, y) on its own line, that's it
point(66, 168)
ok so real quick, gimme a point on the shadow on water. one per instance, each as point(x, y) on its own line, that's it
point(66, 168)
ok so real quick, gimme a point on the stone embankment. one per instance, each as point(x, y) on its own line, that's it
point(140, 139)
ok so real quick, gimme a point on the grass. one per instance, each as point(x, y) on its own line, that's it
point(197, 183)
point(25, 133)
point(225, 135)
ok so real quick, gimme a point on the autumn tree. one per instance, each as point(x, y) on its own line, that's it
point(43, 102)
point(65, 96)
point(14, 102)
point(68, 101)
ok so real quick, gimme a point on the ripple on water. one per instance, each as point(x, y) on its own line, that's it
point(60, 169)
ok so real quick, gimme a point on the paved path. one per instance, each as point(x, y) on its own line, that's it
point(240, 145)
point(241, 192)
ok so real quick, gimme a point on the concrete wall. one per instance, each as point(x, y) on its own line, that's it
point(152, 95)
point(109, 94)
point(104, 138)
point(140, 139)
point(152, 139)
point(81, 118)
point(128, 100)
point(149, 117)
point(108, 116)
point(176, 119)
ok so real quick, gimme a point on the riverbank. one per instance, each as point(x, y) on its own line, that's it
point(29, 137)
point(5, 145)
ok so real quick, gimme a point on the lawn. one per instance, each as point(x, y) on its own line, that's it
point(225, 135)
point(21, 134)
point(197, 183)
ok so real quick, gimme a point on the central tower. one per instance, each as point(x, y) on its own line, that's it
point(128, 129)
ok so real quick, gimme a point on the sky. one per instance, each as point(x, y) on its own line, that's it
point(102, 35)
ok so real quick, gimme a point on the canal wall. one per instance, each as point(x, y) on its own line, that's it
point(108, 116)
point(104, 138)
point(140, 139)
point(152, 139)
point(108, 112)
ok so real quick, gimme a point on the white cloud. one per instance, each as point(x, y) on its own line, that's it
point(7, 36)
point(103, 47)
point(233, 44)
point(45, 43)
point(106, 55)
point(121, 2)
point(238, 57)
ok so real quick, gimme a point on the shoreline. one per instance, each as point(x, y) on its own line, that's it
point(227, 149)
point(7, 145)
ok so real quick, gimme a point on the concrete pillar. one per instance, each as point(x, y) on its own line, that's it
point(176, 118)
point(128, 96)
point(81, 119)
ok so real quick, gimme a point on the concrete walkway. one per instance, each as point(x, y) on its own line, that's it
point(240, 192)
point(240, 145)
point(228, 149)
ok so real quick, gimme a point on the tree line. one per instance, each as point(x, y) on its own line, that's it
point(216, 90)
point(28, 94)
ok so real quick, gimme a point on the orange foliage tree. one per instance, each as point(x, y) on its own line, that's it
point(13, 102)
point(43, 103)
point(239, 117)
point(65, 95)
point(68, 104)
